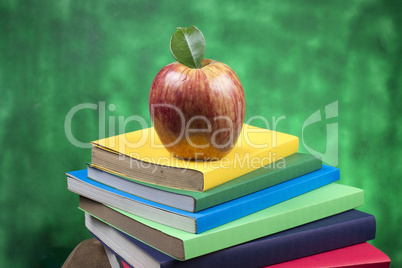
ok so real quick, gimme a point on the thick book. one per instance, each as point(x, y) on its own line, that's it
point(341, 230)
point(208, 218)
point(140, 155)
point(317, 204)
point(293, 166)
point(362, 255)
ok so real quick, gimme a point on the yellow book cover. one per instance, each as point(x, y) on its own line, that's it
point(140, 155)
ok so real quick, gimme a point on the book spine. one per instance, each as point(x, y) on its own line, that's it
point(265, 252)
point(293, 170)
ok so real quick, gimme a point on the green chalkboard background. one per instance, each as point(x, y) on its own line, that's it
point(294, 59)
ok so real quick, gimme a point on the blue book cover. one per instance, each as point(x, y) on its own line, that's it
point(206, 219)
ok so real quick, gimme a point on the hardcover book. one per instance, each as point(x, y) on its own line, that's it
point(206, 219)
point(293, 166)
point(317, 204)
point(338, 231)
point(140, 155)
point(362, 255)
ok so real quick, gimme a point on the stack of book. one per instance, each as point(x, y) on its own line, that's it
point(263, 204)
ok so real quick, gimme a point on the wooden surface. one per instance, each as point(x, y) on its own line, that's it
point(89, 253)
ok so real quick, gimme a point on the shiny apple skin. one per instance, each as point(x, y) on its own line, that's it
point(209, 109)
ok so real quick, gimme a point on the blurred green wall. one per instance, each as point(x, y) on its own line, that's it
point(293, 58)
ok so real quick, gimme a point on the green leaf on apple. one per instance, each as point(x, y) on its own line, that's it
point(187, 46)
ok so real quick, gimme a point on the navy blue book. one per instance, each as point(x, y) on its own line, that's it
point(341, 230)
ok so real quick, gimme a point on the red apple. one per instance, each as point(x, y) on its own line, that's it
point(198, 113)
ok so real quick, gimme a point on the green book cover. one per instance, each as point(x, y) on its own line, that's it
point(323, 202)
point(283, 170)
